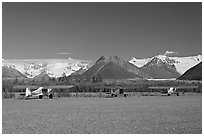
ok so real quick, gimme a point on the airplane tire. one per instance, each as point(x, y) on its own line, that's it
point(40, 96)
point(50, 96)
point(124, 95)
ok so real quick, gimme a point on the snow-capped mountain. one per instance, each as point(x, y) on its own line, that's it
point(113, 67)
point(181, 63)
point(158, 65)
point(160, 69)
point(53, 67)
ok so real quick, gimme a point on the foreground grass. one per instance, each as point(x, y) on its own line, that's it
point(151, 114)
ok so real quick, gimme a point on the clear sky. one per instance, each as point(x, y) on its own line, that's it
point(90, 30)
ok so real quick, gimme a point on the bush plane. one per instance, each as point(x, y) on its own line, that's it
point(169, 90)
point(40, 92)
point(113, 91)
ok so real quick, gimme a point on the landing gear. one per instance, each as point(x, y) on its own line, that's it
point(50, 96)
point(113, 95)
point(40, 96)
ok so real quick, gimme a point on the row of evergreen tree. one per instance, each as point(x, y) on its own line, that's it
point(80, 86)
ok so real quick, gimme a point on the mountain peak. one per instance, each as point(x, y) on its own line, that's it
point(109, 59)
point(102, 58)
point(181, 63)
point(165, 59)
point(116, 68)
point(115, 59)
point(161, 56)
point(161, 66)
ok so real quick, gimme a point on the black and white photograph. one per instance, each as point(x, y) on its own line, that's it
point(101, 67)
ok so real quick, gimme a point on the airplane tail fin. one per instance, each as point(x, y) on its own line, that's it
point(171, 90)
point(28, 92)
point(49, 90)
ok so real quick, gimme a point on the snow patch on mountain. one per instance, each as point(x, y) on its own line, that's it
point(53, 67)
point(139, 62)
point(184, 63)
point(181, 63)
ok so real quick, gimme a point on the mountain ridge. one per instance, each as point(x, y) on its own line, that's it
point(113, 67)
point(9, 72)
point(181, 63)
point(54, 67)
point(58, 67)
point(159, 69)
point(194, 73)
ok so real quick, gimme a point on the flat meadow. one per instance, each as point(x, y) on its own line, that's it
point(94, 115)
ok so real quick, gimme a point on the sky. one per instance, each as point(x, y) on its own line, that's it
point(89, 30)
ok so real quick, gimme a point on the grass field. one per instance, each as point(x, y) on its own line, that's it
point(136, 115)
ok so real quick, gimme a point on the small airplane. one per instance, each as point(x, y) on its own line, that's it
point(169, 90)
point(41, 91)
point(114, 91)
point(34, 93)
point(172, 90)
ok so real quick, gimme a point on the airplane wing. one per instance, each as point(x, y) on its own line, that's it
point(58, 87)
point(186, 87)
point(160, 87)
point(177, 87)
point(46, 87)
point(25, 86)
point(38, 91)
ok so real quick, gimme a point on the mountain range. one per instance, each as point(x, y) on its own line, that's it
point(158, 69)
point(53, 67)
point(10, 72)
point(181, 63)
point(113, 67)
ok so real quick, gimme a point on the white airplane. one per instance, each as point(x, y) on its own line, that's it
point(41, 91)
point(36, 93)
point(114, 91)
point(171, 90)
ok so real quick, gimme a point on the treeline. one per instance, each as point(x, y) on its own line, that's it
point(79, 85)
point(83, 86)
